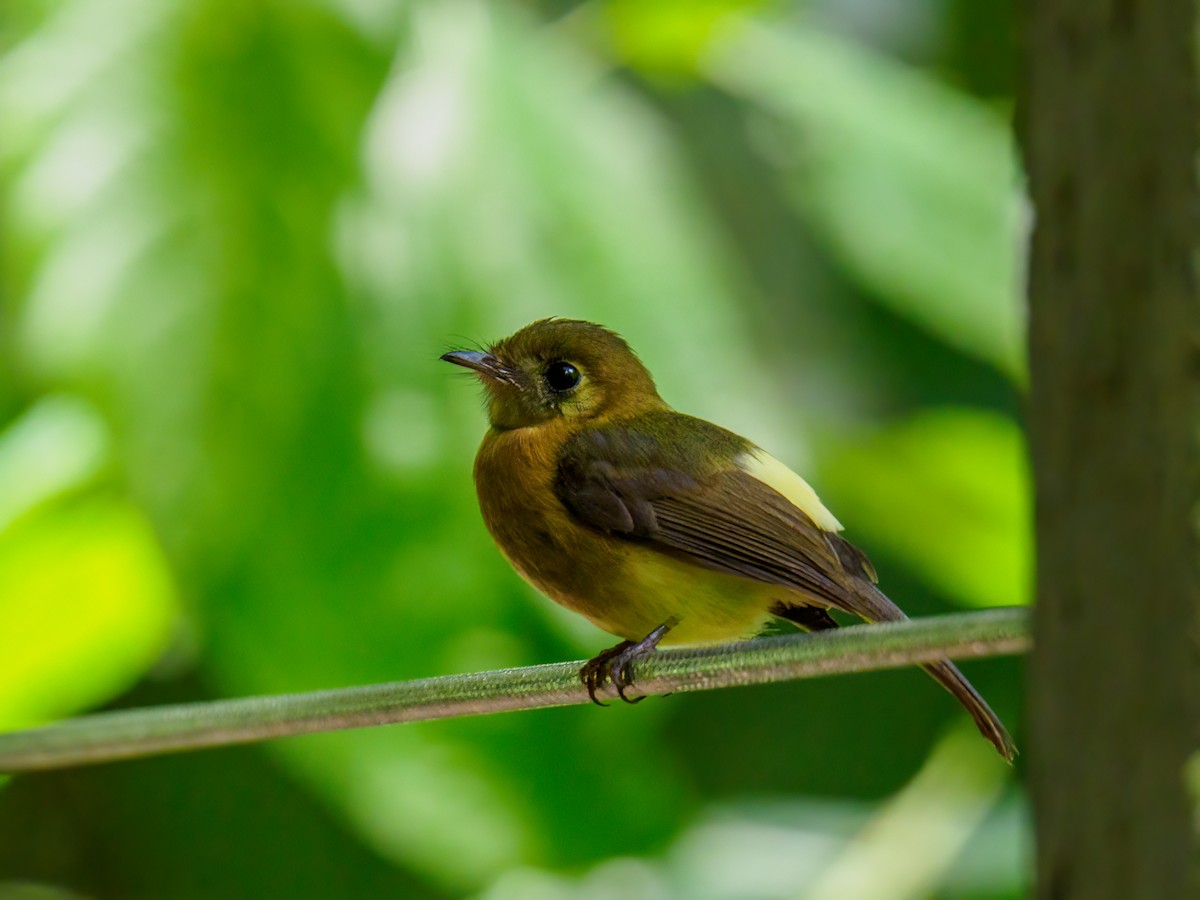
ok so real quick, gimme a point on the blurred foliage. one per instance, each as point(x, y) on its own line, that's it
point(929, 465)
point(910, 183)
point(236, 237)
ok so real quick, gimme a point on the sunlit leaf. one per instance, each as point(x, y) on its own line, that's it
point(947, 491)
point(87, 606)
point(666, 38)
point(56, 446)
point(85, 598)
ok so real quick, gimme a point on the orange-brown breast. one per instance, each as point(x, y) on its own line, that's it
point(514, 477)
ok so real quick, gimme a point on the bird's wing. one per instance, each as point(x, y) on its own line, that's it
point(695, 491)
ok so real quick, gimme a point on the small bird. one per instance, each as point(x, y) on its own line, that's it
point(658, 527)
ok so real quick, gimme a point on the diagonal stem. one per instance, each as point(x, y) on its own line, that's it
point(125, 734)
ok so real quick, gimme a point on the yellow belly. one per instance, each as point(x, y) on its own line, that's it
point(652, 588)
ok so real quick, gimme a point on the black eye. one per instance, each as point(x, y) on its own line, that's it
point(561, 376)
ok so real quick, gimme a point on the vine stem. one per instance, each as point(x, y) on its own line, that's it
point(125, 734)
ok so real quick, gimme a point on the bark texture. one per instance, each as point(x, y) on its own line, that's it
point(1110, 135)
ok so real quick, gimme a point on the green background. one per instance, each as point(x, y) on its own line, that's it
point(235, 239)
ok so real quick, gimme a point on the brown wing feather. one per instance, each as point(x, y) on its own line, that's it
point(722, 519)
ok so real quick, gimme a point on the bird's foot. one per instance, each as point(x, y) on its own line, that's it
point(616, 664)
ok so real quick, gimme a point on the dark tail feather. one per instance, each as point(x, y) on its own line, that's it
point(872, 604)
point(876, 606)
point(988, 722)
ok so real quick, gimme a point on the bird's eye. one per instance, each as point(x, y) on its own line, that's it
point(561, 376)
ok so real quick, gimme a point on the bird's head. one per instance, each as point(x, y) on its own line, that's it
point(558, 369)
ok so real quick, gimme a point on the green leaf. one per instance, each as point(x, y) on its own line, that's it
point(914, 185)
point(947, 491)
point(85, 596)
point(58, 445)
point(87, 605)
point(666, 39)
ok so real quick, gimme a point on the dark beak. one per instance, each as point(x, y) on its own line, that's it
point(483, 363)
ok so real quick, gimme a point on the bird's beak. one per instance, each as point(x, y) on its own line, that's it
point(485, 364)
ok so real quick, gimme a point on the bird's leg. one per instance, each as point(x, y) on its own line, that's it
point(615, 663)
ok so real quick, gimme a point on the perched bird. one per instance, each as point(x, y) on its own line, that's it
point(659, 527)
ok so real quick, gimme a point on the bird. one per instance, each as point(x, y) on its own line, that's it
point(659, 527)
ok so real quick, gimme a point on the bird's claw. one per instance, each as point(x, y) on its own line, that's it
point(616, 665)
point(596, 671)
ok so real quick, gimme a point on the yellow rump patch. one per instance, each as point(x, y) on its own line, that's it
point(760, 464)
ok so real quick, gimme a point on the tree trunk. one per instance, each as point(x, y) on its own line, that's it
point(1110, 133)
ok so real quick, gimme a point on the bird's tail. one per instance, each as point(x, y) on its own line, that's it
point(877, 607)
point(988, 722)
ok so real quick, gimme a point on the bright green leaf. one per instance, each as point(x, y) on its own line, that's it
point(948, 491)
point(666, 38)
point(86, 605)
point(57, 445)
